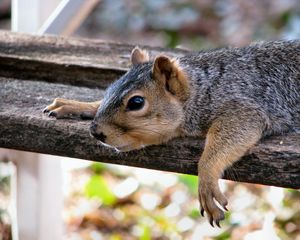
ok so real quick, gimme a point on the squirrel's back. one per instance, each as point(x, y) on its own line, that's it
point(263, 75)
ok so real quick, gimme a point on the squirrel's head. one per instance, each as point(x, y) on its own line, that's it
point(145, 106)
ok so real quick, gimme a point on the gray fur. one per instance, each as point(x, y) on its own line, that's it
point(263, 76)
point(234, 96)
point(136, 78)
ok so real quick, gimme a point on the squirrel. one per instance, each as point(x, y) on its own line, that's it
point(232, 96)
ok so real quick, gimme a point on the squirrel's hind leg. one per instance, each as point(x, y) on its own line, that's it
point(227, 140)
point(65, 108)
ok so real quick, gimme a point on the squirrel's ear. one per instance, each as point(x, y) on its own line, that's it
point(168, 72)
point(162, 67)
point(139, 56)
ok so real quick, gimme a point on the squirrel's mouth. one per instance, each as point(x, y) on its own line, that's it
point(125, 147)
point(128, 148)
point(122, 148)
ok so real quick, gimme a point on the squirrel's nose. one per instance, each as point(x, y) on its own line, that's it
point(100, 136)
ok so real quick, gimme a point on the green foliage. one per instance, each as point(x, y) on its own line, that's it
point(146, 233)
point(286, 17)
point(194, 213)
point(173, 38)
point(97, 187)
point(190, 181)
point(224, 236)
point(115, 237)
point(98, 167)
point(5, 184)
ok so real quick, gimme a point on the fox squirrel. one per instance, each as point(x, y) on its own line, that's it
point(233, 96)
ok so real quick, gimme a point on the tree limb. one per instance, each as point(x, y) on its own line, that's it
point(32, 70)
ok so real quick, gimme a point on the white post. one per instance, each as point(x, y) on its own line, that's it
point(29, 15)
point(50, 207)
point(39, 177)
point(27, 194)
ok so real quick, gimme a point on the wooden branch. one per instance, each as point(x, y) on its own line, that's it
point(78, 62)
point(32, 70)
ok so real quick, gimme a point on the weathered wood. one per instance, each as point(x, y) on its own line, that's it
point(275, 161)
point(78, 62)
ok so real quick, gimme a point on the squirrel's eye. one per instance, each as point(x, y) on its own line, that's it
point(135, 103)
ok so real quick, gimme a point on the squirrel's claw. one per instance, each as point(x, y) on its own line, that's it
point(46, 110)
point(202, 211)
point(207, 193)
point(64, 108)
point(211, 221)
point(52, 114)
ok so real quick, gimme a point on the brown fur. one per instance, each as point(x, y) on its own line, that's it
point(169, 73)
point(229, 94)
point(139, 56)
point(62, 108)
point(128, 130)
point(226, 141)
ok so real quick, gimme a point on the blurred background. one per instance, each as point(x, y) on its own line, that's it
point(101, 201)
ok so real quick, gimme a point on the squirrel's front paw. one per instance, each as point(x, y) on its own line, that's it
point(208, 192)
point(64, 108)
